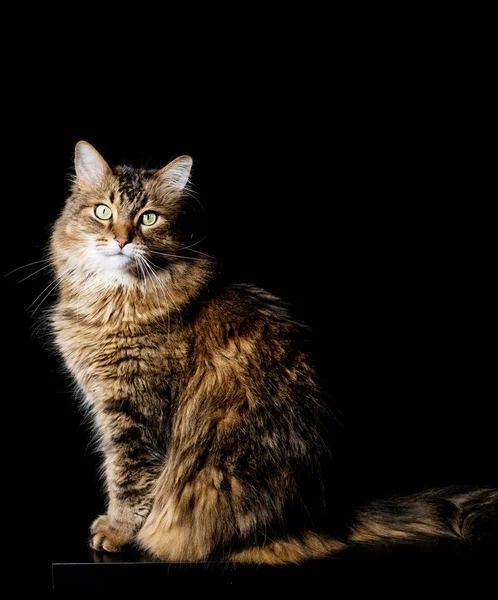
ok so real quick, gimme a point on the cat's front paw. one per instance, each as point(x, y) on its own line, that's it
point(106, 538)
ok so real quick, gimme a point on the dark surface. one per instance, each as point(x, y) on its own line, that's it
point(436, 562)
point(369, 210)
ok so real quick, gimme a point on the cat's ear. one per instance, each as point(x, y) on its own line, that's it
point(88, 163)
point(176, 173)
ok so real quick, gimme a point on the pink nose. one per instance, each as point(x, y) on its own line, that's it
point(122, 240)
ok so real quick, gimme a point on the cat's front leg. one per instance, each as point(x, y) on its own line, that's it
point(110, 537)
point(130, 476)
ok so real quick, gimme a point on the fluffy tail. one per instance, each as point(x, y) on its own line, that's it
point(467, 517)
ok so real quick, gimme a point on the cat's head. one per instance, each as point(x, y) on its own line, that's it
point(122, 224)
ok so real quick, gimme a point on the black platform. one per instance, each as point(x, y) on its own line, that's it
point(89, 571)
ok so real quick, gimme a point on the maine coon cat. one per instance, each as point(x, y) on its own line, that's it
point(211, 422)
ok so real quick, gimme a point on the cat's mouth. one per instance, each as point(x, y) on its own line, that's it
point(118, 258)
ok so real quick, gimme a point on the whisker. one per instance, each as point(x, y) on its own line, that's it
point(154, 265)
point(192, 194)
point(204, 254)
point(147, 266)
point(161, 283)
point(192, 245)
point(150, 270)
point(37, 262)
point(138, 260)
point(197, 251)
point(51, 287)
point(38, 271)
point(174, 255)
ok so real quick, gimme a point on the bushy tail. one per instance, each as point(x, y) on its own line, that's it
point(468, 517)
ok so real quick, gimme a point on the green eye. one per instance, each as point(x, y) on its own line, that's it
point(103, 212)
point(149, 218)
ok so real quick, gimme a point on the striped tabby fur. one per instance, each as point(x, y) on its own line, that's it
point(207, 409)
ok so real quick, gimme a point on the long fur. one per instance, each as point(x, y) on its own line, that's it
point(208, 411)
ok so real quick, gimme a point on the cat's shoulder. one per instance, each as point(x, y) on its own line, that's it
point(242, 319)
point(244, 298)
point(245, 303)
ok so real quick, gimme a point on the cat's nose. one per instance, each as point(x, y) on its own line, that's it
point(122, 240)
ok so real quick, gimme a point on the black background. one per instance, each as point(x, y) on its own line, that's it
point(361, 197)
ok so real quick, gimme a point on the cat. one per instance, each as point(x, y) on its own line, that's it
point(207, 408)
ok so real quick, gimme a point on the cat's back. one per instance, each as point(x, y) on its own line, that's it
point(241, 308)
point(240, 321)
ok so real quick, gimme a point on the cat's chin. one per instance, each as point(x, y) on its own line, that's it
point(118, 263)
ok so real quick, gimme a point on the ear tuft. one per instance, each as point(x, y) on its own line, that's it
point(89, 164)
point(176, 173)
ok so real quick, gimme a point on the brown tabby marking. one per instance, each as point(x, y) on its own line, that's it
point(207, 409)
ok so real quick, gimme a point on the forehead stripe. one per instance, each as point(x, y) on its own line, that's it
point(133, 202)
point(131, 190)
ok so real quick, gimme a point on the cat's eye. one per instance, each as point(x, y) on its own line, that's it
point(148, 218)
point(103, 212)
